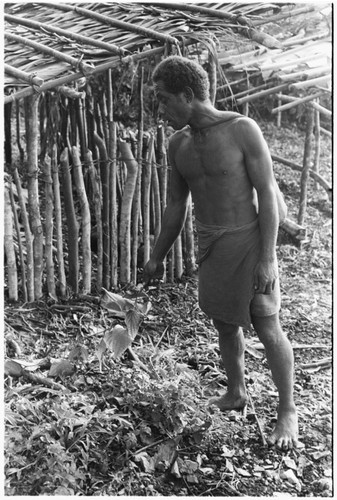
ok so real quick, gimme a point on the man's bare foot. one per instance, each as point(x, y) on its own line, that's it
point(285, 434)
point(228, 402)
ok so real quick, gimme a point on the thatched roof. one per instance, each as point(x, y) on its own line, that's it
point(51, 44)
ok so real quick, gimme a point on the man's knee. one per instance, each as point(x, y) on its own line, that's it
point(268, 328)
point(225, 328)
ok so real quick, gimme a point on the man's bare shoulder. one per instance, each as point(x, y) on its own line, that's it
point(178, 136)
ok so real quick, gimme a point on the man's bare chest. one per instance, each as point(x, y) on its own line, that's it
point(208, 154)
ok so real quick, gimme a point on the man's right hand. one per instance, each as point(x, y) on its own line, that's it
point(152, 271)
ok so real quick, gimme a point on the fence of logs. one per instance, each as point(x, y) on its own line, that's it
point(84, 198)
point(85, 202)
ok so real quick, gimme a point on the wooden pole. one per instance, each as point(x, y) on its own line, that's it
point(136, 212)
point(105, 180)
point(72, 224)
point(306, 165)
point(62, 282)
point(28, 236)
point(124, 231)
point(317, 154)
point(12, 275)
point(85, 222)
point(32, 138)
point(18, 234)
point(95, 184)
point(49, 225)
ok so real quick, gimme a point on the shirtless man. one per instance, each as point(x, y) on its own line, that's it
point(222, 158)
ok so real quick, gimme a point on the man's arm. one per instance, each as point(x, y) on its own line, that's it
point(259, 168)
point(172, 223)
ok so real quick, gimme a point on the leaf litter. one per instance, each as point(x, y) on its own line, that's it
point(109, 396)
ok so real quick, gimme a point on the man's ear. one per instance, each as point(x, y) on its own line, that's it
point(189, 94)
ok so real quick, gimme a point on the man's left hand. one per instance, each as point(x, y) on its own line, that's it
point(265, 275)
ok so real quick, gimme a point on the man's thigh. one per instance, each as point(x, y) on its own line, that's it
point(266, 304)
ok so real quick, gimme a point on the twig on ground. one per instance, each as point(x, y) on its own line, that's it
point(323, 363)
point(264, 441)
point(138, 361)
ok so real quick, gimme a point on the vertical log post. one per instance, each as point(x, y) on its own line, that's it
point(32, 128)
point(28, 236)
point(73, 257)
point(137, 198)
point(12, 274)
point(317, 132)
point(85, 222)
point(105, 180)
point(306, 164)
point(147, 199)
point(95, 184)
point(125, 230)
point(279, 113)
point(18, 233)
point(62, 282)
point(49, 228)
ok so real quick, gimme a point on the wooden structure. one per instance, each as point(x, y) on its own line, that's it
point(83, 168)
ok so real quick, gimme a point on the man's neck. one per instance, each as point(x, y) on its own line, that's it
point(204, 115)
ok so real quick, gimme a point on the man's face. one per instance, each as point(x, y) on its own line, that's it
point(173, 108)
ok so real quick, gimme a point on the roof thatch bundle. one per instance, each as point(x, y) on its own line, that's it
point(56, 44)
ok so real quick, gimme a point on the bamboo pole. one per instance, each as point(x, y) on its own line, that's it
point(124, 231)
point(49, 228)
point(28, 236)
point(295, 101)
point(85, 222)
point(31, 121)
point(306, 166)
point(22, 75)
point(310, 83)
point(114, 49)
point(115, 23)
point(105, 179)
point(20, 247)
point(73, 228)
point(94, 178)
point(62, 282)
point(315, 105)
point(12, 275)
point(263, 93)
point(60, 56)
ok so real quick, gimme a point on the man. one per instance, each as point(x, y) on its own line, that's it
point(222, 158)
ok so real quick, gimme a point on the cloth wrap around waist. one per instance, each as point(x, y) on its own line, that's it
point(227, 258)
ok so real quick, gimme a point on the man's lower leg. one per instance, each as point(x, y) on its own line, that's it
point(231, 343)
point(281, 362)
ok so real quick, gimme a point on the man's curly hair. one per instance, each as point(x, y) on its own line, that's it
point(178, 72)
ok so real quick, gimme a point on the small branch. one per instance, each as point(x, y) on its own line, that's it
point(264, 441)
